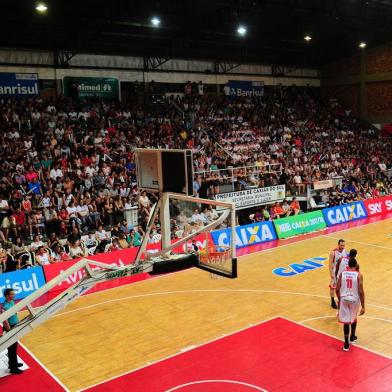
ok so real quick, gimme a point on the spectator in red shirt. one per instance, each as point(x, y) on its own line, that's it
point(26, 205)
point(295, 206)
point(376, 193)
point(31, 175)
point(188, 88)
point(277, 210)
point(63, 214)
point(86, 161)
point(20, 219)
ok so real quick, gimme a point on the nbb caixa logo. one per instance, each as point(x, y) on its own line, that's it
point(252, 234)
point(23, 282)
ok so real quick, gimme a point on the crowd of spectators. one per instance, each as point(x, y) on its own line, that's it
point(354, 190)
point(308, 138)
point(67, 169)
point(276, 210)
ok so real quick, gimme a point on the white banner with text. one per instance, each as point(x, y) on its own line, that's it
point(253, 197)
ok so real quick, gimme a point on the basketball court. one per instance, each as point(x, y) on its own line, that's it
point(263, 331)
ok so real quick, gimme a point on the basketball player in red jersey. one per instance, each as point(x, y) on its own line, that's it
point(334, 256)
point(351, 296)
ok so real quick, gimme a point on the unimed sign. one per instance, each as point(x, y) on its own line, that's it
point(104, 88)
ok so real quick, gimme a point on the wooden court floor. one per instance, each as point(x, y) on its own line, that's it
point(112, 332)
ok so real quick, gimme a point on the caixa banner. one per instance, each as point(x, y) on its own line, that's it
point(18, 84)
point(255, 233)
point(23, 282)
point(246, 88)
point(344, 213)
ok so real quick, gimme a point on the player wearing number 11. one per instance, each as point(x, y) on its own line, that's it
point(351, 296)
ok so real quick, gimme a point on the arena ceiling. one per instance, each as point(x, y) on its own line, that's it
point(201, 29)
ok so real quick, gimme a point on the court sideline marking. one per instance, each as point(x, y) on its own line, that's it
point(204, 291)
point(364, 243)
point(362, 317)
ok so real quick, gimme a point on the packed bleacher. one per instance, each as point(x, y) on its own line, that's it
point(68, 168)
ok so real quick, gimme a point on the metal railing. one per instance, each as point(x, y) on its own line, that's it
point(243, 170)
point(229, 176)
point(178, 109)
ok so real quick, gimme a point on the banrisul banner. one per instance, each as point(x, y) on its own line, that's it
point(253, 197)
point(299, 224)
point(255, 233)
point(344, 213)
point(246, 88)
point(18, 84)
point(103, 88)
point(23, 282)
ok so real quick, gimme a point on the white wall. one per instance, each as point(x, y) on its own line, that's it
point(129, 69)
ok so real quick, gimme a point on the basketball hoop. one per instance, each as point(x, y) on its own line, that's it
point(181, 215)
point(215, 259)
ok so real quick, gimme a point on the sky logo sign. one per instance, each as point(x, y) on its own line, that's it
point(300, 267)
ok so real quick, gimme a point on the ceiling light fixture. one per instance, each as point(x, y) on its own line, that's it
point(41, 7)
point(241, 30)
point(362, 45)
point(155, 21)
point(307, 38)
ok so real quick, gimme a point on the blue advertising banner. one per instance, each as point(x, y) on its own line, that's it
point(255, 233)
point(24, 282)
point(245, 88)
point(344, 213)
point(18, 84)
